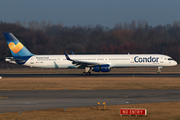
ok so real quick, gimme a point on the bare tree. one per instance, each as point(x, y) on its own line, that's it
point(133, 25)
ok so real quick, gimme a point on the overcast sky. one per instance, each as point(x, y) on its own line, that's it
point(86, 12)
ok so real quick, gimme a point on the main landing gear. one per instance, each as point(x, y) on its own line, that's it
point(87, 71)
point(159, 70)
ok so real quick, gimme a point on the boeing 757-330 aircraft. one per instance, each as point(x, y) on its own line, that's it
point(96, 63)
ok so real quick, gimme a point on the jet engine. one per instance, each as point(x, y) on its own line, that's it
point(101, 68)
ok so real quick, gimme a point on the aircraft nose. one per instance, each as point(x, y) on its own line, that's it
point(175, 63)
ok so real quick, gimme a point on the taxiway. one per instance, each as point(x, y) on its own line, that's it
point(92, 75)
point(38, 100)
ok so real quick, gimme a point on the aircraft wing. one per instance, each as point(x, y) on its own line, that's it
point(80, 63)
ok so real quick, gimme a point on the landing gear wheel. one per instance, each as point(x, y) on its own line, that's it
point(84, 73)
point(88, 73)
point(158, 73)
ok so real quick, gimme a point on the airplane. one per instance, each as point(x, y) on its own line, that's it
point(97, 62)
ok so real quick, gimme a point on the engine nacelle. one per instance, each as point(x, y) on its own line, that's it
point(102, 68)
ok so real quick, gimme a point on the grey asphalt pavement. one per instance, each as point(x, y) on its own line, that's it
point(92, 75)
point(39, 100)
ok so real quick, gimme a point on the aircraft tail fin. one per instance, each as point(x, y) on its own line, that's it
point(16, 47)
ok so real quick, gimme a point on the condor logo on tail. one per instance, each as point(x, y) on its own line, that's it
point(15, 48)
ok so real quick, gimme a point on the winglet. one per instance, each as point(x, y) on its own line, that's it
point(67, 57)
point(72, 53)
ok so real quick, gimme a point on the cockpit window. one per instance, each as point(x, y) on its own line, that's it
point(170, 59)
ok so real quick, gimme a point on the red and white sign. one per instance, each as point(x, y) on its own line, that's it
point(133, 111)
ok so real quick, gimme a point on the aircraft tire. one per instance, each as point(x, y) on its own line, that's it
point(84, 73)
point(158, 73)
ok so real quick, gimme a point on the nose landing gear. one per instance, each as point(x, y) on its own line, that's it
point(159, 70)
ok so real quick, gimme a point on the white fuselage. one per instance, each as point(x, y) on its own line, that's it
point(115, 60)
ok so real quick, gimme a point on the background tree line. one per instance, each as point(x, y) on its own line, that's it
point(129, 37)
